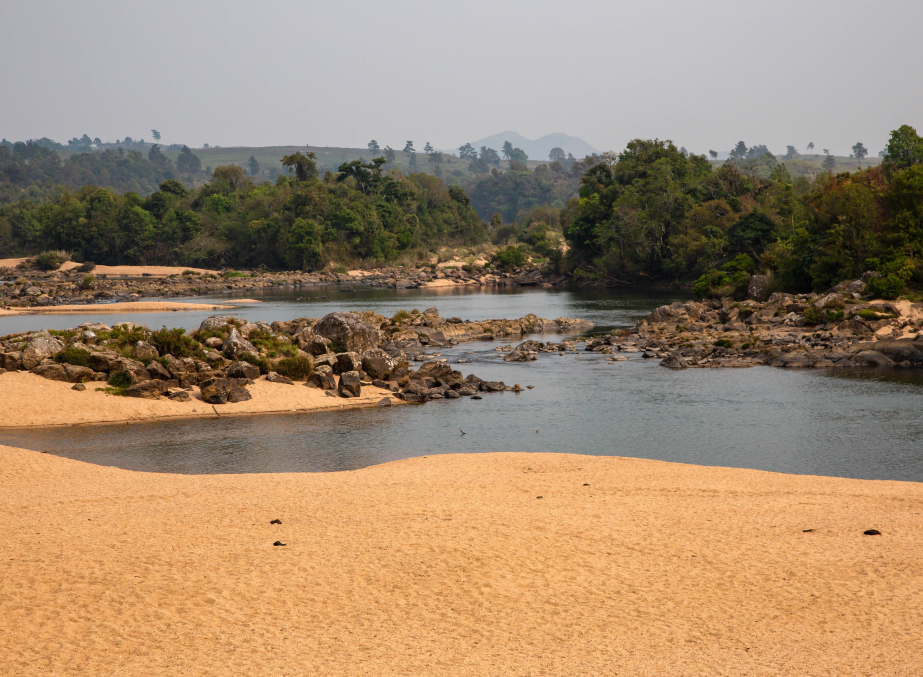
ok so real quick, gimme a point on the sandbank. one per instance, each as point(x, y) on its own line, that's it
point(453, 565)
point(119, 271)
point(119, 307)
point(28, 400)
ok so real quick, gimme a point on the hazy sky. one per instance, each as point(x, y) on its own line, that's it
point(704, 74)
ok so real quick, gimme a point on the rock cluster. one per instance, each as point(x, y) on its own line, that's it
point(836, 329)
point(339, 353)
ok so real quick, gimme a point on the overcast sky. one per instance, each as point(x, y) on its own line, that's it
point(704, 74)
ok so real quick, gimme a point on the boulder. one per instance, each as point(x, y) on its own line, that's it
point(797, 359)
point(236, 345)
point(215, 323)
point(177, 368)
point(348, 361)
point(348, 331)
point(214, 342)
point(350, 384)
point(102, 359)
point(322, 378)
point(11, 361)
point(758, 289)
point(77, 374)
point(318, 345)
point(215, 390)
point(145, 351)
point(274, 377)
point(135, 369)
point(431, 311)
point(158, 372)
point(51, 370)
point(243, 369)
point(150, 389)
point(674, 361)
point(179, 395)
point(872, 358)
point(434, 368)
point(377, 363)
point(518, 355)
point(79, 387)
point(897, 350)
point(238, 394)
point(39, 349)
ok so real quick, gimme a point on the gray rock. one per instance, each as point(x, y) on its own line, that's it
point(348, 361)
point(215, 390)
point(39, 349)
point(145, 351)
point(348, 331)
point(318, 345)
point(135, 369)
point(384, 402)
point(102, 359)
point(377, 363)
point(79, 387)
point(238, 394)
point(872, 358)
point(11, 361)
point(243, 369)
point(214, 342)
point(150, 389)
point(758, 289)
point(674, 361)
point(158, 372)
point(349, 384)
point(236, 345)
point(322, 378)
point(78, 374)
point(215, 323)
point(51, 370)
point(179, 395)
point(274, 377)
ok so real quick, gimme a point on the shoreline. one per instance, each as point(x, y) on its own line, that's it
point(122, 307)
point(62, 406)
point(486, 563)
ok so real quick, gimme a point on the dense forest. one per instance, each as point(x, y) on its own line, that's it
point(653, 213)
point(301, 221)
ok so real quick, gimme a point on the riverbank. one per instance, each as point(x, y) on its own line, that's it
point(124, 307)
point(463, 564)
point(32, 287)
point(30, 401)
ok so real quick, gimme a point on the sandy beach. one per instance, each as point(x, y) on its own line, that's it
point(453, 565)
point(32, 401)
point(119, 271)
point(120, 307)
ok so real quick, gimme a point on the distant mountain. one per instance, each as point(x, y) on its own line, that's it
point(537, 149)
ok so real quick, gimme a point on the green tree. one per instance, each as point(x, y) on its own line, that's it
point(389, 155)
point(373, 147)
point(905, 148)
point(790, 152)
point(188, 162)
point(810, 147)
point(428, 149)
point(253, 165)
point(557, 155)
point(467, 152)
point(714, 155)
point(518, 155)
point(740, 151)
point(489, 156)
point(304, 165)
point(829, 162)
point(155, 134)
point(408, 147)
point(859, 151)
point(507, 150)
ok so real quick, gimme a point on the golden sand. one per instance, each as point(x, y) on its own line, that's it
point(27, 401)
point(453, 565)
point(120, 307)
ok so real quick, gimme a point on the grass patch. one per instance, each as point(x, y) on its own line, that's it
point(400, 316)
point(871, 315)
point(234, 273)
point(75, 356)
point(296, 368)
point(724, 343)
point(175, 342)
point(112, 391)
point(120, 380)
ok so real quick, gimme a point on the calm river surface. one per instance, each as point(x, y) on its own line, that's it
point(863, 424)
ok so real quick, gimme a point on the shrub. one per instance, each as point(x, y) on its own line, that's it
point(814, 316)
point(120, 379)
point(51, 260)
point(400, 316)
point(87, 282)
point(174, 342)
point(709, 282)
point(888, 287)
point(296, 368)
point(260, 362)
point(187, 273)
point(509, 257)
point(87, 267)
point(724, 343)
point(871, 315)
point(234, 273)
point(76, 356)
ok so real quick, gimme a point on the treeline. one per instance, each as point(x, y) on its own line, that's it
point(31, 170)
point(300, 222)
point(653, 213)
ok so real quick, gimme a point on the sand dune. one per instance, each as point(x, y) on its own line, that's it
point(28, 400)
point(452, 565)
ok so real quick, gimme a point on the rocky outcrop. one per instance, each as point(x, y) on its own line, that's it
point(236, 346)
point(39, 349)
point(348, 332)
point(377, 363)
point(350, 385)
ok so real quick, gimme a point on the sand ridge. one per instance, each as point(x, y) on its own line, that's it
point(29, 400)
point(119, 307)
point(452, 565)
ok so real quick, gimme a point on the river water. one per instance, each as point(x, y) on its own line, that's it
point(859, 423)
